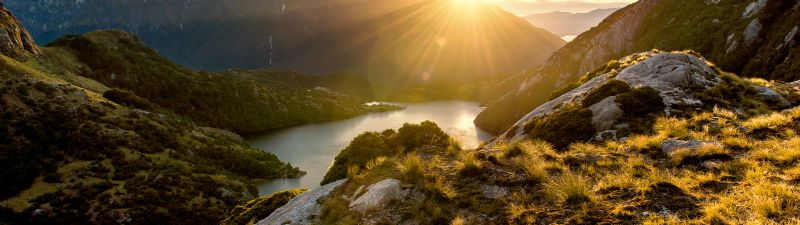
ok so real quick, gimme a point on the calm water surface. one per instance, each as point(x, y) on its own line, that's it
point(313, 147)
point(569, 38)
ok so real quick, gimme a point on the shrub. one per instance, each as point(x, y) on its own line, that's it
point(412, 136)
point(572, 123)
point(610, 88)
point(361, 150)
point(641, 101)
point(127, 98)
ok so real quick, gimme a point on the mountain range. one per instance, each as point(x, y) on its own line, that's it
point(388, 41)
point(565, 23)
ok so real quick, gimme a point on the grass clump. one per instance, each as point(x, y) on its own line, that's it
point(570, 189)
point(469, 165)
point(534, 168)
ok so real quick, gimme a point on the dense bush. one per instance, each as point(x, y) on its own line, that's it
point(127, 98)
point(361, 150)
point(610, 88)
point(412, 136)
point(370, 145)
point(640, 101)
point(571, 124)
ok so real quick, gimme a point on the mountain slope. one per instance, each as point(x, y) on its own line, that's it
point(758, 40)
point(71, 155)
point(378, 38)
point(564, 23)
point(242, 101)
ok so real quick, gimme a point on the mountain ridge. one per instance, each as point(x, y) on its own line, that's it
point(306, 36)
point(566, 23)
point(630, 30)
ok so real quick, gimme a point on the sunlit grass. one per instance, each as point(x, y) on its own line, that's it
point(570, 189)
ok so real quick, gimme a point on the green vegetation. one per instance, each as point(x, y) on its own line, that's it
point(640, 101)
point(611, 67)
point(126, 98)
point(570, 124)
point(611, 88)
point(259, 208)
point(67, 148)
point(242, 101)
point(367, 147)
point(749, 179)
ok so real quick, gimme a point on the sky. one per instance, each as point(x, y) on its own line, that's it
point(527, 7)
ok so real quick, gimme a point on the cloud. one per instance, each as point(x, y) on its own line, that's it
point(526, 7)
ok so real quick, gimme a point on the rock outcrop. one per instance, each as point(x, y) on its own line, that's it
point(378, 195)
point(15, 41)
point(303, 209)
point(676, 77)
point(669, 146)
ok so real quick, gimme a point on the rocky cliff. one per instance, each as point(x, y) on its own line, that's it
point(15, 41)
point(758, 40)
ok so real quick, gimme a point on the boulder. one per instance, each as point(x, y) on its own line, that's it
point(771, 96)
point(605, 113)
point(669, 146)
point(494, 192)
point(753, 8)
point(751, 32)
point(303, 209)
point(378, 195)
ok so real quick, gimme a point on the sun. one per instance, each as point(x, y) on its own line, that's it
point(467, 2)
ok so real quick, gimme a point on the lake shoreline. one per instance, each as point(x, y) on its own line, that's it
point(312, 147)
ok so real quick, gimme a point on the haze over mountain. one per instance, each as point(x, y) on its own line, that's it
point(565, 23)
point(394, 40)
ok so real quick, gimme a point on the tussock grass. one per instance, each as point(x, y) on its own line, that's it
point(767, 121)
point(570, 189)
point(782, 152)
point(534, 168)
point(469, 165)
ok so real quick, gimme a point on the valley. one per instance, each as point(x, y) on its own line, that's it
point(414, 112)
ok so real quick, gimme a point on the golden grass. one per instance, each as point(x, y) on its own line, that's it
point(767, 121)
point(468, 164)
point(570, 189)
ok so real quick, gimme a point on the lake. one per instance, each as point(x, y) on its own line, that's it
point(313, 147)
point(569, 38)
